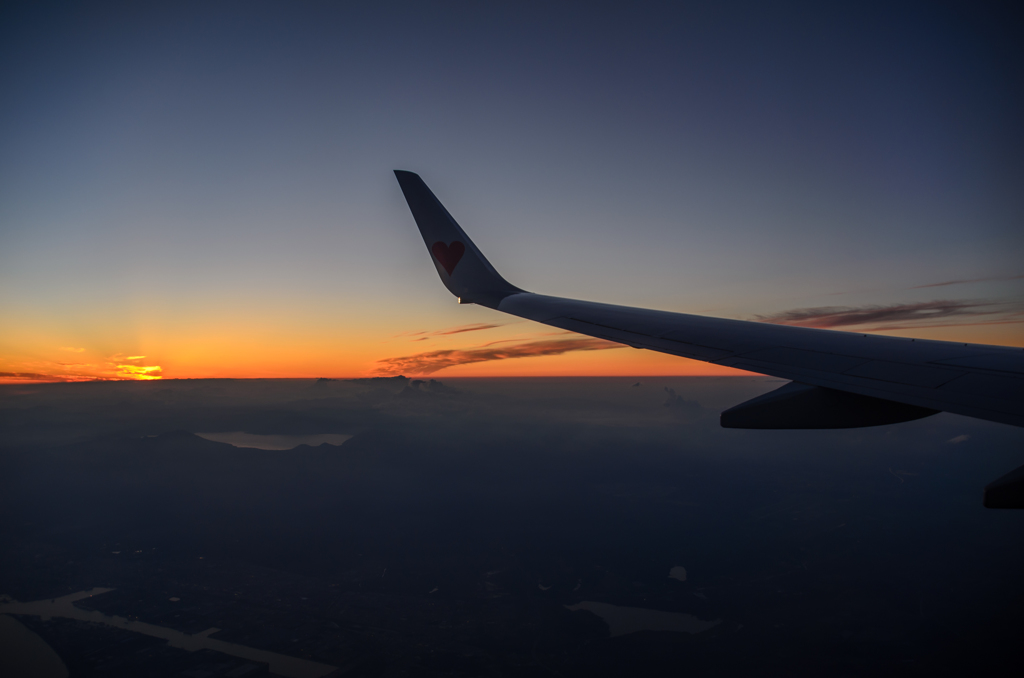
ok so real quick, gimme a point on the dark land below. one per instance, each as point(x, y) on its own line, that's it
point(452, 532)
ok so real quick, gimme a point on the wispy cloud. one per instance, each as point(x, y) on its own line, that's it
point(475, 327)
point(31, 376)
point(72, 349)
point(994, 278)
point(898, 316)
point(434, 361)
point(117, 367)
point(59, 373)
point(117, 357)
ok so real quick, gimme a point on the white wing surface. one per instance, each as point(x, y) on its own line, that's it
point(841, 379)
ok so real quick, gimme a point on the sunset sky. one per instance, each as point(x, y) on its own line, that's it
point(206, 190)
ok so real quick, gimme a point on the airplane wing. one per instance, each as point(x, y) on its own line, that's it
point(838, 379)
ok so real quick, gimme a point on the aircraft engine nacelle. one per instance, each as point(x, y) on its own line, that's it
point(800, 406)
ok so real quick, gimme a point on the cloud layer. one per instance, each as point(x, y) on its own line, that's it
point(895, 316)
point(430, 362)
point(996, 278)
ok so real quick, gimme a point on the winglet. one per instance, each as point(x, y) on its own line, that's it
point(461, 266)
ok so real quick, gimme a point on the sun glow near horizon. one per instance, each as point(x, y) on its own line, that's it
point(501, 348)
point(576, 356)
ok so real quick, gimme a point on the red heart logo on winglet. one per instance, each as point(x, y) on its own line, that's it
point(448, 255)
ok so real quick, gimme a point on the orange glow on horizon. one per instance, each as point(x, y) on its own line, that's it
point(470, 350)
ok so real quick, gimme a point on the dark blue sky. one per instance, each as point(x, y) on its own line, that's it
point(170, 175)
